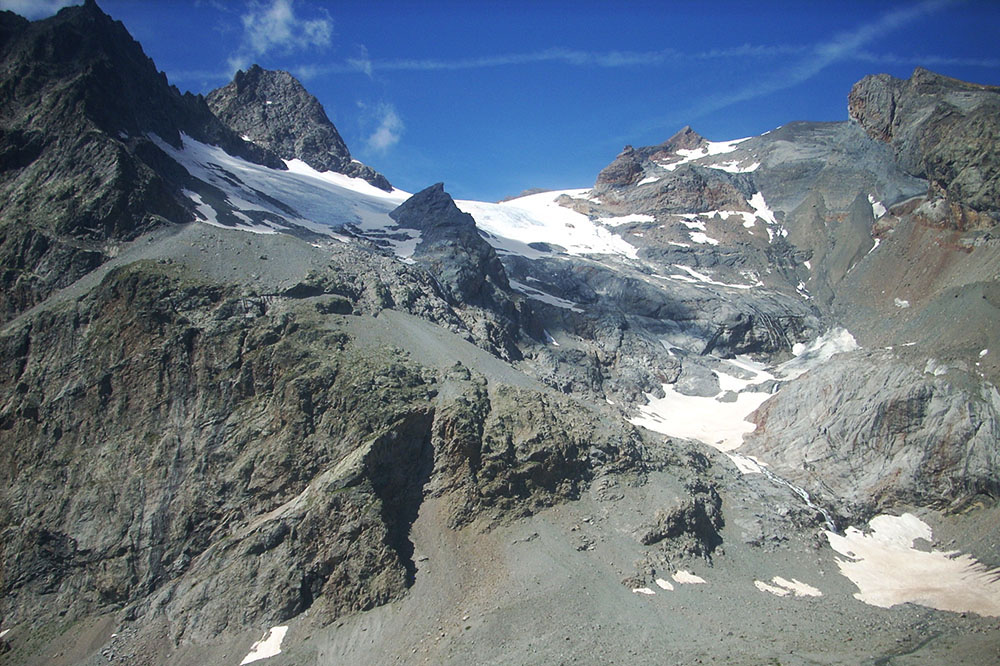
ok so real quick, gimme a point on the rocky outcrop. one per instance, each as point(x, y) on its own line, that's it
point(451, 245)
point(227, 459)
point(941, 129)
point(623, 184)
point(629, 164)
point(866, 433)
point(273, 110)
point(498, 461)
point(464, 264)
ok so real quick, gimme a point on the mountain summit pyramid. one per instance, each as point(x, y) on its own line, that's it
point(272, 109)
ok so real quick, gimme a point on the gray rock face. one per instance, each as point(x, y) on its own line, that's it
point(230, 460)
point(273, 110)
point(833, 160)
point(451, 245)
point(941, 129)
point(866, 432)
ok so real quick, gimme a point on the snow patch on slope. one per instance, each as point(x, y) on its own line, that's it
point(721, 423)
point(539, 218)
point(816, 353)
point(878, 208)
point(626, 219)
point(265, 200)
point(783, 587)
point(889, 570)
point(268, 646)
point(544, 297)
point(708, 149)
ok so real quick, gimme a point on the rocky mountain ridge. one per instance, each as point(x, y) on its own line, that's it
point(936, 127)
point(399, 426)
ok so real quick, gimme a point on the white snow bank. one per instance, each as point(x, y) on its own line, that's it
point(702, 277)
point(900, 303)
point(776, 591)
point(762, 211)
point(878, 208)
point(687, 578)
point(322, 202)
point(626, 219)
point(701, 237)
point(707, 149)
point(268, 646)
point(761, 208)
point(783, 587)
point(816, 353)
point(734, 166)
point(719, 424)
point(722, 425)
point(544, 297)
point(889, 570)
point(357, 185)
point(538, 218)
point(643, 590)
point(746, 464)
point(664, 584)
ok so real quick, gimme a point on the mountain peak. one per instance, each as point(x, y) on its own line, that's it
point(686, 138)
point(275, 111)
point(940, 129)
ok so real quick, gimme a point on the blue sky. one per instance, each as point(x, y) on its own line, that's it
point(496, 97)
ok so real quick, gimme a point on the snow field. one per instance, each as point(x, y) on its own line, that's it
point(722, 425)
point(538, 218)
point(709, 149)
point(322, 202)
point(889, 569)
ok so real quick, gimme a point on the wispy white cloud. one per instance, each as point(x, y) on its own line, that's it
point(573, 57)
point(389, 130)
point(273, 27)
point(842, 46)
point(925, 60)
point(36, 9)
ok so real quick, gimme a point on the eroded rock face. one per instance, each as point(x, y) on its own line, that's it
point(867, 432)
point(464, 264)
point(941, 129)
point(231, 460)
point(273, 110)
